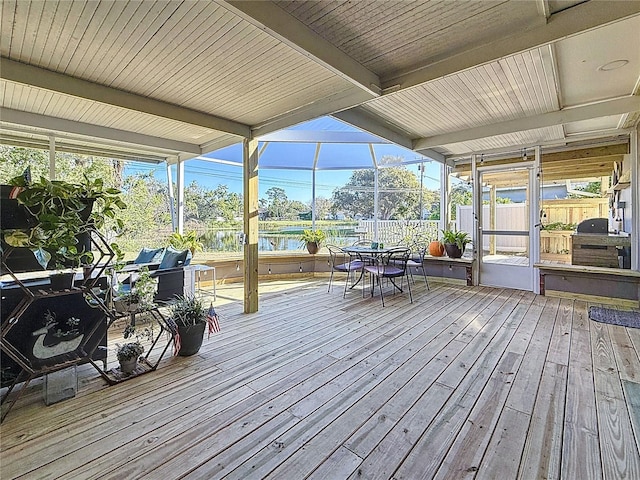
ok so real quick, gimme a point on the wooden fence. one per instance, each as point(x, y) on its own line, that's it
point(511, 216)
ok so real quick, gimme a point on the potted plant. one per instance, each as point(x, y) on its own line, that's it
point(186, 241)
point(190, 316)
point(128, 355)
point(312, 239)
point(138, 294)
point(454, 242)
point(64, 213)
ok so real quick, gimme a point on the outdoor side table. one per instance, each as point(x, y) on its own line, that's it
point(198, 271)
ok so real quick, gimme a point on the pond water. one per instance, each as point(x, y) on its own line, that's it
point(284, 239)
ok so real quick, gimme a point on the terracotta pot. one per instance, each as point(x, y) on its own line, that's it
point(436, 249)
point(313, 247)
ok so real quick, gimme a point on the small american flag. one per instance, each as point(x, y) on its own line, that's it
point(212, 320)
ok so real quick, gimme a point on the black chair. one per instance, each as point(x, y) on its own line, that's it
point(341, 261)
point(416, 260)
point(391, 265)
point(367, 259)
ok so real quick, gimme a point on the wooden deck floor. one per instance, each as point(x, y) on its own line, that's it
point(466, 382)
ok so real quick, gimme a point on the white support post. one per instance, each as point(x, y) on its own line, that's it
point(52, 157)
point(534, 230)
point(635, 199)
point(375, 192)
point(172, 198)
point(180, 183)
point(313, 187)
point(476, 197)
point(444, 197)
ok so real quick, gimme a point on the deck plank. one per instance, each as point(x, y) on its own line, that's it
point(465, 382)
point(621, 458)
point(580, 439)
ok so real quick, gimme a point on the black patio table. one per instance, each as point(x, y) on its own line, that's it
point(366, 254)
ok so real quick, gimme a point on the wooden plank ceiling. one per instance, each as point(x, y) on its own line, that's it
point(202, 75)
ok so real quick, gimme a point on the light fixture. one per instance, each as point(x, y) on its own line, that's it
point(614, 65)
point(237, 266)
point(269, 269)
point(524, 154)
point(301, 268)
point(482, 158)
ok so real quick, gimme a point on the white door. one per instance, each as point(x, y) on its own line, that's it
point(504, 226)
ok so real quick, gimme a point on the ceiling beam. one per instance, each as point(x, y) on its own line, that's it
point(55, 124)
point(359, 118)
point(571, 21)
point(57, 82)
point(285, 27)
point(96, 151)
point(617, 106)
point(325, 106)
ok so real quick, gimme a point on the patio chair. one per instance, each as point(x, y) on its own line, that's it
point(364, 242)
point(391, 265)
point(416, 260)
point(341, 261)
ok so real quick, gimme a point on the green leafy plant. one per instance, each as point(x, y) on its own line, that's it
point(63, 211)
point(313, 236)
point(129, 350)
point(140, 293)
point(189, 240)
point(188, 310)
point(452, 237)
point(560, 226)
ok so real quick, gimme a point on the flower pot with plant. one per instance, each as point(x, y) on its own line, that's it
point(455, 242)
point(63, 216)
point(190, 316)
point(128, 355)
point(312, 239)
point(186, 241)
point(137, 295)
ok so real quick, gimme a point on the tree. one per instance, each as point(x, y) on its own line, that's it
point(398, 197)
point(276, 203)
point(459, 195)
point(15, 161)
point(323, 207)
point(147, 205)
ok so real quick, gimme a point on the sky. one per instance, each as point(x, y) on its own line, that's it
point(296, 183)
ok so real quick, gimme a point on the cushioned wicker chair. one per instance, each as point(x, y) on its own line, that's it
point(341, 261)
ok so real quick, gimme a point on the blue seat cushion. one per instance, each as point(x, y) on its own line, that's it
point(173, 258)
point(149, 255)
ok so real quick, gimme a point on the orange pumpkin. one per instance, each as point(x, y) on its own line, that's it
point(436, 249)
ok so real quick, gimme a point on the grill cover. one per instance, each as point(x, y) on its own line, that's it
point(593, 225)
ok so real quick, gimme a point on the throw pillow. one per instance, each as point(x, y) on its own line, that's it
point(149, 255)
point(173, 258)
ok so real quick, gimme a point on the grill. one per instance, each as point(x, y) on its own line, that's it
point(593, 225)
point(592, 245)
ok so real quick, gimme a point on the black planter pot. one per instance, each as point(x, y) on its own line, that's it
point(452, 250)
point(191, 339)
point(12, 214)
point(61, 281)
